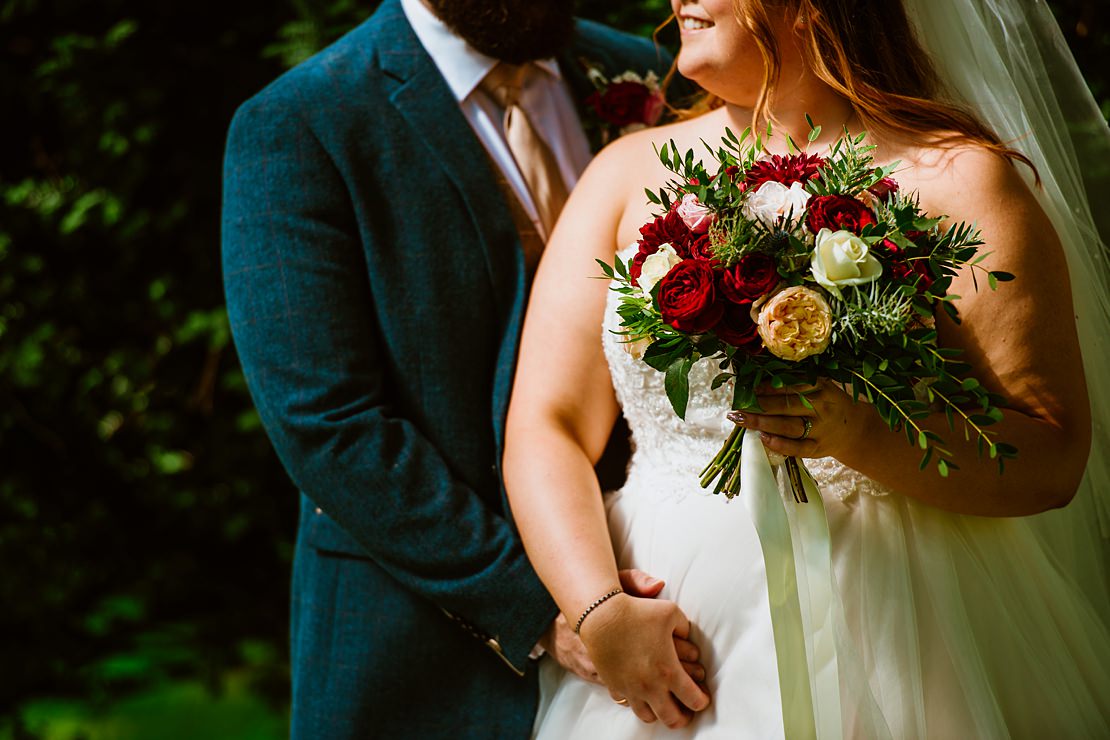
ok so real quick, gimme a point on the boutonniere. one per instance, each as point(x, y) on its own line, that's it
point(622, 104)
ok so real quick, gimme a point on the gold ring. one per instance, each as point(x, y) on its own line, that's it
point(622, 701)
point(806, 429)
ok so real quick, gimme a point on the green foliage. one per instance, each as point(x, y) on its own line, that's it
point(144, 521)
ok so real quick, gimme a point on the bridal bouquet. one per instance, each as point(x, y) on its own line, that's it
point(791, 269)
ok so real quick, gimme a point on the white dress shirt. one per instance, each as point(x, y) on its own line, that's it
point(546, 98)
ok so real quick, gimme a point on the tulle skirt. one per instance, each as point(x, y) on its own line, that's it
point(948, 626)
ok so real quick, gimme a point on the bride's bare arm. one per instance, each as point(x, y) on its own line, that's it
point(1020, 341)
point(560, 417)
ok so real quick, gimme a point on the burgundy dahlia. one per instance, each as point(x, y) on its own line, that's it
point(787, 170)
point(666, 229)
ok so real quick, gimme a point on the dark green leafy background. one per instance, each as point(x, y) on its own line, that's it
point(145, 525)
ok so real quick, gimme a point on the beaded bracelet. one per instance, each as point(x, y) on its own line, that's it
point(596, 604)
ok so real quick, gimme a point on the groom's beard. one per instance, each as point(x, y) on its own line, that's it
point(514, 31)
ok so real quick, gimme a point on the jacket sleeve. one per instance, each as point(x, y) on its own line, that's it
point(299, 304)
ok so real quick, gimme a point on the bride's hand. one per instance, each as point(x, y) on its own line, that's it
point(634, 644)
point(834, 424)
point(567, 649)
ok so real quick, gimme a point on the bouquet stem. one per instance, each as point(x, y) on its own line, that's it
point(794, 473)
point(725, 469)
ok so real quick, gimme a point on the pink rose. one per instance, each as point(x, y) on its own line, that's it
point(695, 215)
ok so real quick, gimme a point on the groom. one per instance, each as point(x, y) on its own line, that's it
point(378, 233)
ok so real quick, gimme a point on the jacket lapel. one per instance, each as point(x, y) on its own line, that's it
point(427, 104)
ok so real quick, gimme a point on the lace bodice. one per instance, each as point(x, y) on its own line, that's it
point(669, 453)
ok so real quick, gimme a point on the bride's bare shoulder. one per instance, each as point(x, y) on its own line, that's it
point(635, 153)
point(968, 181)
point(624, 169)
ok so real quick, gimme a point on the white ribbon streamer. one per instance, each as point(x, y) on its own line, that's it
point(801, 596)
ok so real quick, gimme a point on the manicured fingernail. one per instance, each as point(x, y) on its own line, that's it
point(736, 417)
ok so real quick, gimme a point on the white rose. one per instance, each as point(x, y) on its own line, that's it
point(636, 347)
point(842, 258)
point(773, 201)
point(656, 267)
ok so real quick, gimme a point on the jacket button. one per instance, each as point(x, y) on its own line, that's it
point(319, 511)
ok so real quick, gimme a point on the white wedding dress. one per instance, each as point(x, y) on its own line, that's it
point(947, 626)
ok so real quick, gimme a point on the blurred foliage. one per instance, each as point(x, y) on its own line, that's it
point(145, 525)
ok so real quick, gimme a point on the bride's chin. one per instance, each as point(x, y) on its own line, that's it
point(726, 94)
point(716, 82)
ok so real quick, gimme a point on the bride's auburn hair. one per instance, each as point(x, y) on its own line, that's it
point(868, 52)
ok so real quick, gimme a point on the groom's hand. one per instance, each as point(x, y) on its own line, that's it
point(567, 649)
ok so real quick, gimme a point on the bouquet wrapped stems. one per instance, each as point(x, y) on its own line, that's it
point(725, 469)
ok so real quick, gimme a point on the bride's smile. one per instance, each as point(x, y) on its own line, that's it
point(692, 18)
point(716, 43)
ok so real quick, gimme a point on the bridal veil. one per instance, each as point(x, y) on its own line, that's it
point(961, 626)
point(1007, 61)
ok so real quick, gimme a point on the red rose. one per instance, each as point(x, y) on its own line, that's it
point(884, 188)
point(688, 298)
point(737, 328)
point(752, 276)
point(889, 247)
point(623, 103)
point(701, 248)
point(920, 268)
point(903, 268)
point(837, 213)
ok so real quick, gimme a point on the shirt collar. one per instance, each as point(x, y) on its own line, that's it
point(462, 66)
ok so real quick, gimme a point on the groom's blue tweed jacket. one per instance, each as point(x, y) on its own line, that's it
point(375, 286)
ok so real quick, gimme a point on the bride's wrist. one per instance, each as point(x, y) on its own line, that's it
point(598, 613)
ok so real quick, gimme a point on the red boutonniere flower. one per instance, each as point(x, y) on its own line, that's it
point(625, 103)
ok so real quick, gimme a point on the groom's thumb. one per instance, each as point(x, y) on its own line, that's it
point(638, 583)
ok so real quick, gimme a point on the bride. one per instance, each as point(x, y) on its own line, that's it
point(959, 607)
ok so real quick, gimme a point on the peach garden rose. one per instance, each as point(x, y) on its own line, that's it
point(795, 323)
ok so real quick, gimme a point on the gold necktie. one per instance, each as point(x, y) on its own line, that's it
point(533, 157)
